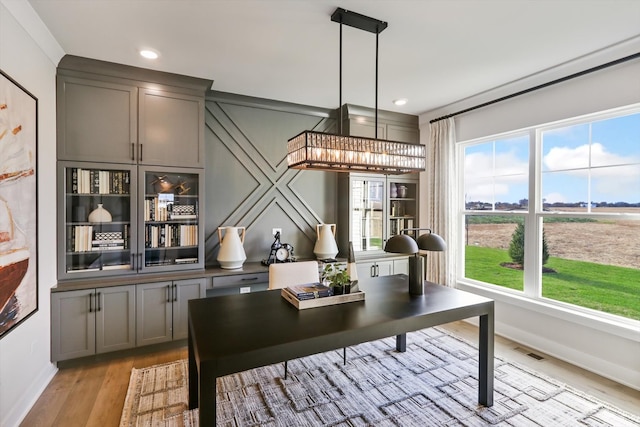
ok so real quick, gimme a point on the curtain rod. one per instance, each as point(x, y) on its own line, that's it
point(522, 92)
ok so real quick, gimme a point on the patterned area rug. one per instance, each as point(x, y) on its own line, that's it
point(433, 384)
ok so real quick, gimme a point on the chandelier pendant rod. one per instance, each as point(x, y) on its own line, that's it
point(376, 137)
point(340, 84)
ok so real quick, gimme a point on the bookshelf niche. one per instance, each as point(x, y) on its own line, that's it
point(121, 219)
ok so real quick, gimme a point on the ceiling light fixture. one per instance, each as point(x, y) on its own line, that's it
point(341, 153)
point(149, 54)
point(400, 102)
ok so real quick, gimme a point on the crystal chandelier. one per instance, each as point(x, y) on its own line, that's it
point(324, 151)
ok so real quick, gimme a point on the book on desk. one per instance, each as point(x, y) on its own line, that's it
point(309, 291)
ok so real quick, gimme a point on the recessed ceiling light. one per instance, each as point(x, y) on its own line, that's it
point(400, 101)
point(149, 54)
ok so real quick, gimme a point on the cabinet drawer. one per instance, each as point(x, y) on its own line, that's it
point(240, 280)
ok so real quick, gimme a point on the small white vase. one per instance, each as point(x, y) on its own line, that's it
point(99, 214)
point(231, 254)
point(326, 246)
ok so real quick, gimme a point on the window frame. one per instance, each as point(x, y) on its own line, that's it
point(531, 296)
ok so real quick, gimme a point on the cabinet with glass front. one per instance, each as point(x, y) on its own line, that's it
point(97, 231)
point(377, 207)
point(171, 233)
point(119, 219)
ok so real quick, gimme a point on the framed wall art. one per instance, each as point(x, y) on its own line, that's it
point(18, 204)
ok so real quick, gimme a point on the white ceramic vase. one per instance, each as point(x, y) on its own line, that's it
point(231, 254)
point(99, 214)
point(326, 246)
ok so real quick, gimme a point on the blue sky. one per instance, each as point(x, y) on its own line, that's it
point(597, 161)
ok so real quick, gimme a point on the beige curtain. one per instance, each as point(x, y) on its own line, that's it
point(442, 198)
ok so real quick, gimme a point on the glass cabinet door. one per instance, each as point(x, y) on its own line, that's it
point(171, 234)
point(403, 206)
point(97, 211)
point(367, 213)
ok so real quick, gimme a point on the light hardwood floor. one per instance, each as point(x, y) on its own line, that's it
point(93, 394)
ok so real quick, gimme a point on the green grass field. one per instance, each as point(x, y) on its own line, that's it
point(606, 288)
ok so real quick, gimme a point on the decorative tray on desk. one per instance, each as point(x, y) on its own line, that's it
point(321, 302)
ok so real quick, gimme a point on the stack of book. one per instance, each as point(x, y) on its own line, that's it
point(309, 291)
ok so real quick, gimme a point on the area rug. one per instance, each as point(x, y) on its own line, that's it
point(433, 384)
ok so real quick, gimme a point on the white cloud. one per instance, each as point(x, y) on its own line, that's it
point(555, 198)
point(563, 158)
point(486, 180)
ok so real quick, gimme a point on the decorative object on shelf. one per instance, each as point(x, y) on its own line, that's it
point(182, 189)
point(231, 255)
point(402, 191)
point(326, 246)
point(393, 190)
point(337, 279)
point(324, 151)
point(99, 214)
point(280, 252)
point(162, 185)
point(405, 244)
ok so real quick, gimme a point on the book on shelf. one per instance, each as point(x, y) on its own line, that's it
point(117, 267)
point(183, 216)
point(309, 291)
point(186, 260)
point(107, 242)
point(106, 247)
point(95, 181)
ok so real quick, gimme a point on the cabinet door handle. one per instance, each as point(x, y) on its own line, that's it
point(140, 158)
point(372, 273)
point(249, 279)
point(98, 302)
point(90, 303)
point(168, 293)
point(139, 261)
point(175, 293)
point(377, 270)
point(133, 151)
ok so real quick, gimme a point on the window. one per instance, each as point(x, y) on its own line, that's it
point(553, 213)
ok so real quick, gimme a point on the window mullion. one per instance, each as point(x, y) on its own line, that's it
point(532, 225)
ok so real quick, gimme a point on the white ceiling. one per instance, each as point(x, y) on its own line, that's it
point(434, 52)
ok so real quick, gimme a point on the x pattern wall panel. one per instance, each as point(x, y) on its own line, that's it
point(249, 184)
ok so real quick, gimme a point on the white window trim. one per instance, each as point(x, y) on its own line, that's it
point(531, 298)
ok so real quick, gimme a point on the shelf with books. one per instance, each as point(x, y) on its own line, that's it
point(117, 219)
point(171, 232)
point(97, 215)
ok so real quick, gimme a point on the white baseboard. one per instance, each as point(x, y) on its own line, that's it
point(16, 414)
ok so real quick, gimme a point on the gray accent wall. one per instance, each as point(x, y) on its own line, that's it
point(247, 180)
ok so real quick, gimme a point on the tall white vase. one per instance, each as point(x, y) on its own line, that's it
point(326, 246)
point(231, 253)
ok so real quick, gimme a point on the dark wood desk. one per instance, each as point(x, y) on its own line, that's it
point(234, 333)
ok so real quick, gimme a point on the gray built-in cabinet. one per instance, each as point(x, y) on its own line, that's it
point(112, 113)
point(161, 311)
point(92, 321)
point(130, 142)
point(130, 148)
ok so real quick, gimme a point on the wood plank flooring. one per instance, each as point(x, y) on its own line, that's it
point(92, 394)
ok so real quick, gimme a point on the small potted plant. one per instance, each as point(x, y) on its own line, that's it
point(338, 279)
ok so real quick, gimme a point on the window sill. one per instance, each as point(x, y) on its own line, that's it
point(625, 328)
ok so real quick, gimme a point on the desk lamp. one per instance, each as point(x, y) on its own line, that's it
point(405, 244)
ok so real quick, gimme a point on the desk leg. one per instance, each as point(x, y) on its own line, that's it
point(401, 343)
point(485, 368)
point(193, 375)
point(207, 396)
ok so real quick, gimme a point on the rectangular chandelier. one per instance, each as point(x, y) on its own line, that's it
point(324, 151)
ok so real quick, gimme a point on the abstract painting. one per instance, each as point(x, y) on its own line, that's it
point(18, 204)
